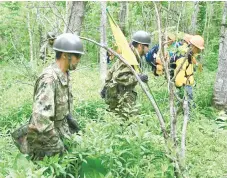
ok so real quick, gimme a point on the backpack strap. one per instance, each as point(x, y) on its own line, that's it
point(189, 63)
point(68, 92)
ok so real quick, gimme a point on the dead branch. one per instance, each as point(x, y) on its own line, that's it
point(177, 167)
point(59, 16)
point(184, 130)
point(150, 97)
point(178, 22)
point(158, 110)
point(172, 11)
point(25, 83)
point(161, 49)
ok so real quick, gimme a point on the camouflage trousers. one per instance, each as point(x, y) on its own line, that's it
point(122, 102)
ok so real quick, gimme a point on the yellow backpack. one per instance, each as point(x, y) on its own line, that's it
point(185, 76)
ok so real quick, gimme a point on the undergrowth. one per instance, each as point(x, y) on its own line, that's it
point(107, 146)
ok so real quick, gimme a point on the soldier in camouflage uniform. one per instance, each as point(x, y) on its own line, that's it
point(51, 122)
point(120, 83)
point(46, 52)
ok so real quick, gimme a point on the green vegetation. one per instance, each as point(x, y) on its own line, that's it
point(107, 146)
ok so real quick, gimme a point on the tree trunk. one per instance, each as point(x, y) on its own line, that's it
point(184, 131)
point(57, 24)
point(30, 39)
point(179, 18)
point(211, 11)
point(123, 16)
point(220, 88)
point(192, 28)
point(103, 56)
point(75, 11)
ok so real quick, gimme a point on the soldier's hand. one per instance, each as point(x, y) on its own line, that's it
point(143, 77)
point(73, 125)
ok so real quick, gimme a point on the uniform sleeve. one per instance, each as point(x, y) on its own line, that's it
point(110, 72)
point(124, 76)
point(42, 50)
point(41, 132)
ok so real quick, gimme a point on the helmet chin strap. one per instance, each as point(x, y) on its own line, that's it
point(143, 49)
point(71, 66)
point(69, 59)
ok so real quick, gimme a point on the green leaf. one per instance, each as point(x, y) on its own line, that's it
point(93, 168)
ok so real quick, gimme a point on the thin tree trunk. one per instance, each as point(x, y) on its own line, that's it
point(206, 18)
point(220, 88)
point(74, 16)
point(192, 28)
point(103, 56)
point(57, 20)
point(173, 116)
point(173, 119)
point(143, 17)
point(178, 22)
point(167, 16)
point(208, 23)
point(123, 16)
point(184, 131)
point(30, 39)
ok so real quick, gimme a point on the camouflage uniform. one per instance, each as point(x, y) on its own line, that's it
point(120, 84)
point(46, 52)
point(48, 125)
point(120, 94)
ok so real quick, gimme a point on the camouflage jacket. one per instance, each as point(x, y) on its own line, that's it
point(120, 74)
point(46, 51)
point(48, 125)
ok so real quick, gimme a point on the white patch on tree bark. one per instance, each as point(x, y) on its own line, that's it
point(220, 88)
point(103, 56)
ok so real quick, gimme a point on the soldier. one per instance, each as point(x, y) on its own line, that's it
point(46, 51)
point(51, 122)
point(120, 83)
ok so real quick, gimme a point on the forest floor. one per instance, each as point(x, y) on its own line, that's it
point(124, 151)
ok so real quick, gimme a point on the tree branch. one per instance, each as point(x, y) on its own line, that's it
point(184, 130)
point(61, 17)
point(150, 97)
point(18, 81)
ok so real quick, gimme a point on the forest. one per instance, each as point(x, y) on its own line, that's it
point(168, 138)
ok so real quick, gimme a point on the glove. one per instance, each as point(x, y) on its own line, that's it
point(73, 125)
point(103, 92)
point(143, 77)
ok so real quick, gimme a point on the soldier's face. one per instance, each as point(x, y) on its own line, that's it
point(51, 41)
point(143, 49)
point(74, 62)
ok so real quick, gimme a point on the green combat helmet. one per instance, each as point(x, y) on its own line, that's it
point(68, 43)
point(51, 35)
point(141, 37)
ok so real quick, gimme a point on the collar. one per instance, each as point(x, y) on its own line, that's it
point(61, 76)
point(135, 51)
